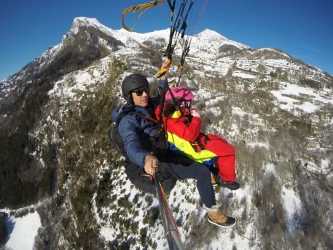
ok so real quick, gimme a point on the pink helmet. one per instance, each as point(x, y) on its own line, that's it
point(179, 92)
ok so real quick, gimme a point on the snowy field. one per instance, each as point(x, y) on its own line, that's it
point(23, 231)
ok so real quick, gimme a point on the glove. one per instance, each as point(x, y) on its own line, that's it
point(195, 113)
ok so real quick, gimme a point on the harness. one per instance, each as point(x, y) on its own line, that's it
point(135, 173)
point(197, 142)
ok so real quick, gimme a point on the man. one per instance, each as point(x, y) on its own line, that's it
point(144, 146)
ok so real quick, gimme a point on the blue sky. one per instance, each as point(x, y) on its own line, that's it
point(301, 28)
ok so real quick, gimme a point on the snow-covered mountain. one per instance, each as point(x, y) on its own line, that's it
point(57, 160)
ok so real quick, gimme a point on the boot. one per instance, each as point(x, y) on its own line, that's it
point(215, 180)
point(215, 217)
point(232, 185)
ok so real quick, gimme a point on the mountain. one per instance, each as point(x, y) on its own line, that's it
point(57, 160)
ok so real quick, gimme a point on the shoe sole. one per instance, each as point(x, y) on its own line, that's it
point(231, 188)
point(219, 225)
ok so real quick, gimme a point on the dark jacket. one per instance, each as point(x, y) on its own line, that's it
point(136, 130)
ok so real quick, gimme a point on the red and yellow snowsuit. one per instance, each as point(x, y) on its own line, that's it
point(183, 137)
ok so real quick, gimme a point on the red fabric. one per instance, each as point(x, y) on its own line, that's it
point(178, 127)
point(226, 159)
point(226, 155)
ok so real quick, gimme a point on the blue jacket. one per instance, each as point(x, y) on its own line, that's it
point(136, 130)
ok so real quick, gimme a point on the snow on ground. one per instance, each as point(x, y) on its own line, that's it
point(203, 93)
point(233, 131)
point(238, 111)
point(258, 144)
point(80, 80)
point(325, 163)
point(289, 103)
point(243, 75)
point(223, 237)
point(292, 203)
point(216, 111)
point(270, 168)
point(23, 232)
point(278, 63)
point(213, 101)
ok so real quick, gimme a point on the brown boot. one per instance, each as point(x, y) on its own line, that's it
point(215, 217)
point(214, 182)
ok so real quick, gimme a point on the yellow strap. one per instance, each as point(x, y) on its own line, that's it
point(164, 70)
point(144, 6)
point(161, 72)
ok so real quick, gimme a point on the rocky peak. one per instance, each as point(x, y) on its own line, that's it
point(85, 21)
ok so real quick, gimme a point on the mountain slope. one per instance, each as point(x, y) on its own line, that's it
point(275, 110)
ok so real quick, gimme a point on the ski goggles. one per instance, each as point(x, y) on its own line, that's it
point(184, 103)
point(139, 92)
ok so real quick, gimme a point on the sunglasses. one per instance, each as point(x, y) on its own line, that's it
point(139, 92)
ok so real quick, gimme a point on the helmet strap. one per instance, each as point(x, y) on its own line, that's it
point(129, 99)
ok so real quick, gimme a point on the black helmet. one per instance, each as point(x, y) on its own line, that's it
point(131, 83)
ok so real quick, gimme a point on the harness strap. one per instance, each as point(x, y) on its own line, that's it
point(136, 113)
point(199, 143)
point(160, 131)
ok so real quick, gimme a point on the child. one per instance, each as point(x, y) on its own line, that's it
point(184, 137)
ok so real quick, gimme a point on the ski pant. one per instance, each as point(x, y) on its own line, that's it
point(187, 169)
point(226, 155)
point(177, 167)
